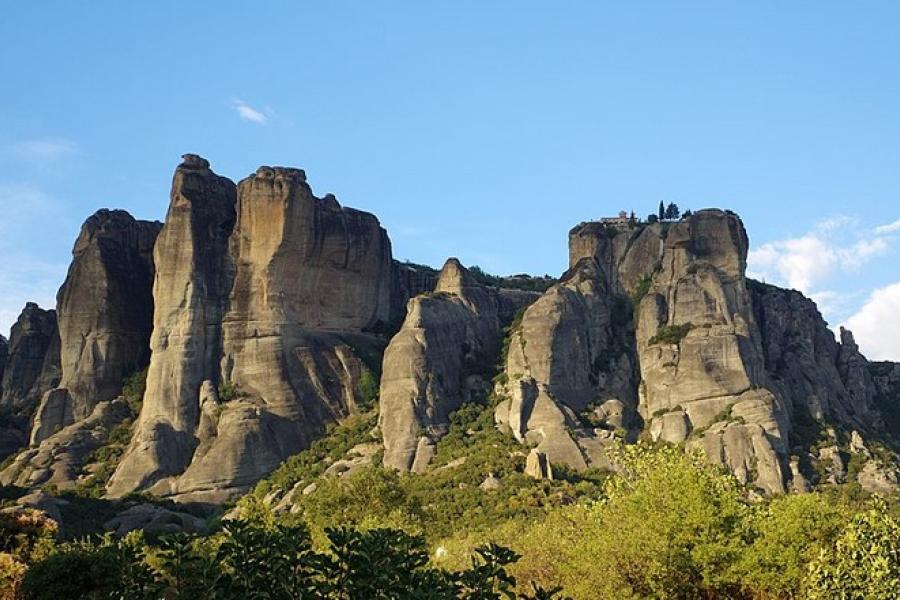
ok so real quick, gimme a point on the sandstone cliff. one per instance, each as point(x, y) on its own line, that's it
point(438, 360)
point(189, 293)
point(4, 355)
point(105, 313)
point(571, 372)
point(32, 366)
point(263, 297)
point(710, 359)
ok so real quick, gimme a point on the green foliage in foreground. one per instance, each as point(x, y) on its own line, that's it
point(250, 561)
point(671, 526)
point(438, 504)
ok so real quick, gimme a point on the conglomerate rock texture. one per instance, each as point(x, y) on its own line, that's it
point(105, 314)
point(189, 292)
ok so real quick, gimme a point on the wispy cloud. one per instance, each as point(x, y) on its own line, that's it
point(889, 228)
point(43, 149)
point(248, 113)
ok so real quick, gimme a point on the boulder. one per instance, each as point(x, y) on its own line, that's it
point(154, 520)
point(490, 483)
point(537, 465)
point(878, 478)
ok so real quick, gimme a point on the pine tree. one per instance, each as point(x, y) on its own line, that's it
point(672, 212)
point(662, 211)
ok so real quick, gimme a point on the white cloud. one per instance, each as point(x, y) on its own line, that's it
point(248, 113)
point(889, 228)
point(806, 262)
point(877, 324)
point(44, 149)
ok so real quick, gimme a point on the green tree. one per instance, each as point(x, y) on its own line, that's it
point(864, 562)
point(671, 526)
point(788, 534)
point(672, 212)
point(661, 213)
point(368, 389)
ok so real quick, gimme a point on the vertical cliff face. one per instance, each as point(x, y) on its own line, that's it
point(824, 379)
point(4, 355)
point(653, 329)
point(32, 366)
point(190, 293)
point(309, 276)
point(264, 295)
point(437, 361)
point(105, 314)
point(702, 362)
point(571, 369)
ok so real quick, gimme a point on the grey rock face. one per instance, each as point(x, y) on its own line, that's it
point(434, 364)
point(59, 458)
point(152, 519)
point(32, 367)
point(105, 314)
point(690, 368)
point(190, 293)
point(281, 289)
point(4, 355)
point(571, 353)
point(537, 465)
point(700, 350)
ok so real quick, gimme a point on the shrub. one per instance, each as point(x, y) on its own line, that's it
point(368, 390)
point(671, 334)
point(133, 389)
point(864, 562)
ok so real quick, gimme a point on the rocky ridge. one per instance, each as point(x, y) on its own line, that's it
point(266, 314)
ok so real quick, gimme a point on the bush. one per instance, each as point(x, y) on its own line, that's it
point(788, 534)
point(671, 334)
point(864, 562)
point(368, 390)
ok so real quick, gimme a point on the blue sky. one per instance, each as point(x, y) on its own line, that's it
point(478, 129)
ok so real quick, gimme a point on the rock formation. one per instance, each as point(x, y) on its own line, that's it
point(105, 313)
point(264, 295)
point(32, 366)
point(570, 355)
point(60, 458)
point(438, 360)
point(4, 355)
point(725, 364)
